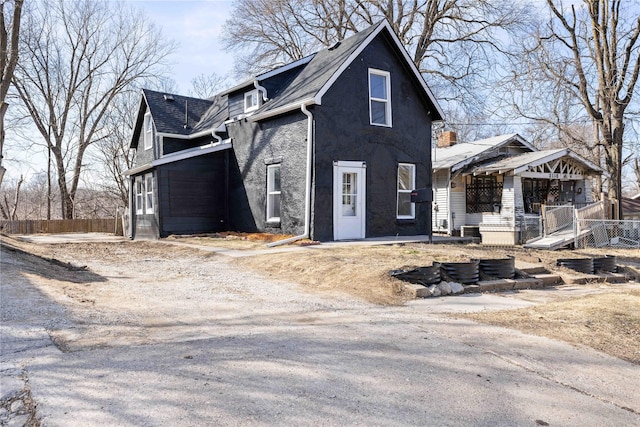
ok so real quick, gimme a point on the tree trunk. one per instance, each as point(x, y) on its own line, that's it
point(3, 110)
point(66, 202)
point(612, 132)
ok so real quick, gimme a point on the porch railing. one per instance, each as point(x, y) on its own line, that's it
point(557, 218)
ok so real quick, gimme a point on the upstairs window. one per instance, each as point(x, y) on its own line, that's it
point(148, 131)
point(406, 183)
point(273, 193)
point(379, 98)
point(251, 101)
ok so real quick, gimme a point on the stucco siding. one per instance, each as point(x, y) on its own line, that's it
point(281, 140)
point(343, 132)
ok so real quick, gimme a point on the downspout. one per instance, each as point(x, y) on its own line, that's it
point(262, 90)
point(215, 131)
point(307, 201)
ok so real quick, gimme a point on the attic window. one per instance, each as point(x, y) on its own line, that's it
point(251, 101)
point(148, 131)
point(169, 98)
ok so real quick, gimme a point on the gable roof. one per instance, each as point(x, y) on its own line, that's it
point(170, 110)
point(308, 80)
point(460, 155)
point(169, 115)
point(326, 66)
point(523, 162)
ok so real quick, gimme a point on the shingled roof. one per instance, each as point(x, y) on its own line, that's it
point(327, 65)
point(313, 76)
point(169, 111)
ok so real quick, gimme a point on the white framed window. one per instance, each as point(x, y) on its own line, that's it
point(139, 196)
point(149, 193)
point(406, 183)
point(379, 97)
point(273, 193)
point(148, 131)
point(251, 101)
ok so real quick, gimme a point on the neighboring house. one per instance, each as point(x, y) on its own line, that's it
point(328, 147)
point(631, 208)
point(488, 186)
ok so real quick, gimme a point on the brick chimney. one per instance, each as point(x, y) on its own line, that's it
point(447, 139)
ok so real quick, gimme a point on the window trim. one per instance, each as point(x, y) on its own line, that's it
point(139, 197)
point(148, 199)
point(386, 101)
point(272, 192)
point(251, 94)
point(148, 131)
point(403, 191)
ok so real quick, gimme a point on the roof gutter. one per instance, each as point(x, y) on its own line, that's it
point(281, 110)
point(307, 201)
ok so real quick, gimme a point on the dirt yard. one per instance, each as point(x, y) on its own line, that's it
point(603, 316)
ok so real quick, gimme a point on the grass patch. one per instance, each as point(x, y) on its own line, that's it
point(608, 322)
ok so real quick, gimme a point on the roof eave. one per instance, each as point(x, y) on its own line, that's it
point(135, 135)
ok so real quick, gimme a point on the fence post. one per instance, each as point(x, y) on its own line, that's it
point(575, 228)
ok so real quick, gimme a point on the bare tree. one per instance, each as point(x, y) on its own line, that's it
point(113, 154)
point(636, 171)
point(585, 59)
point(453, 41)
point(207, 85)
point(9, 36)
point(76, 58)
point(9, 209)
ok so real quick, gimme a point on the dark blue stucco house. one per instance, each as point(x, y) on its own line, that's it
point(328, 147)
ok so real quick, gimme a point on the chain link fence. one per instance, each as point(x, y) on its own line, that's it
point(604, 233)
point(530, 227)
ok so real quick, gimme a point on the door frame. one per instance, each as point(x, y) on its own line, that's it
point(338, 166)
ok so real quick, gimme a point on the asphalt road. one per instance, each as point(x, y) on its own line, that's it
point(323, 362)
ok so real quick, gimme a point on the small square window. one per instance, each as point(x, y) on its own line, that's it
point(379, 98)
point(251, 101)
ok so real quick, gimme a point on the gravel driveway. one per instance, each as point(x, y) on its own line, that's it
point(155, 335)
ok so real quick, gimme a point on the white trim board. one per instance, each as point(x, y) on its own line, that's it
point(181, 155)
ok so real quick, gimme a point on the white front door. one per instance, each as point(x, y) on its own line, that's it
point(349, 180)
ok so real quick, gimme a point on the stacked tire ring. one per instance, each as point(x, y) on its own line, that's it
point(467, 273)
point(590, 265)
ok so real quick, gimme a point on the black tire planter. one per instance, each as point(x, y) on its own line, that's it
point(467, 273)
point(606, 263)
point(583, 265)
point(501, 268)
point(421, 275)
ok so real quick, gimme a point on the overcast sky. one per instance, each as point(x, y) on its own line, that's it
point(196, 26)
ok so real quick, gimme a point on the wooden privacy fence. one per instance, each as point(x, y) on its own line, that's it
point(98, 225)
